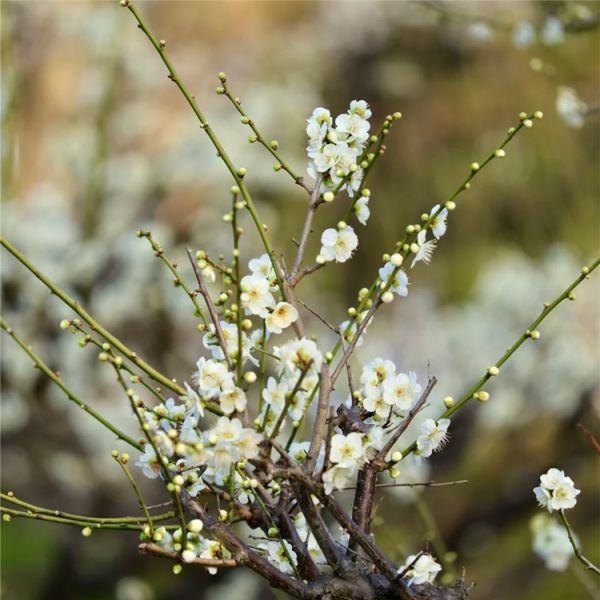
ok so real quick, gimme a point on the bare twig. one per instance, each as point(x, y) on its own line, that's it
point(156, 550)
point(321, 420)
point(586, 562)
point(315, 201)
point(214, 316)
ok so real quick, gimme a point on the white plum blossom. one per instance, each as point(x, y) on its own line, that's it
point(354, 125)
point(149, 462)
point(212, 549)
point(256, 295)
point(424, 570)
point(426, 248)
point(376, 372)
point(337, 244)
point(551, 542)
point(262, 267)
point(278, 556)
point(362, 210)
point(556, 491)
point(401, 390)
point(283, 315)
point(399, 283)
point(298, 354)
point(275, 391)
point(336, 478)
point(437, 223)
point(347, 450)
point(433, 436)
point(212, 376)
point(334, 147)
point(360, 107)
point(232, 400)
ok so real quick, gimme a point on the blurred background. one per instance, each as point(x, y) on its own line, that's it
point(98, 143)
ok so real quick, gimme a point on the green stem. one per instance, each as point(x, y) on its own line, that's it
point(588, 564)
point(548, 308)
point(77, 523)
point(56, 379)
point(261, 139)
point(178, 281)
point(32, 508)
point(95, 326)
point(136, 490)
point(239, 179)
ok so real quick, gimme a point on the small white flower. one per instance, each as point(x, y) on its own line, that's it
point(149, 463)
point(212, 376)
point(298, 354)
point(337, 478)
point(274, 393)
point(262, 267)
point(426, 249)
point(399, 282)
point(338, 245)
point(433, 436)
point(277, 556)
point(401, 390)
point(361, 108)
point(438, 223)
point(346, 450)
point(354, 125)
point(362, 210)
point(232, 400)
point(317, 124)
point(256, 295)
point(283, 315)
point(424, 570)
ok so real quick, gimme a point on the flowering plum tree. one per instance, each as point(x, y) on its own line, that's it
point(231, 446)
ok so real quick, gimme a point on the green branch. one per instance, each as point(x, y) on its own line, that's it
point(38, 363)
point(530, 333)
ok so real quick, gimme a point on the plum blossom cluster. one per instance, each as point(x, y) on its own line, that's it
point(556, 491)
point(287, 393)
point(335, 146)
point(258, 297)
point(336, 151)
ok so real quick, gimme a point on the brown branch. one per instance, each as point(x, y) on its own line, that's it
point(211, 309)
point(156, 550)
point(294, 281)
point(411, 485)
point(591, 437)
point(315, 201)
point(321, 420)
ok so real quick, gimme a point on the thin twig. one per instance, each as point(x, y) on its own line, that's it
point(214, 316)
point(321, 420)
point(586, 562)
point(315, 201)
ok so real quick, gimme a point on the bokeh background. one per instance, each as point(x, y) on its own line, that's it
point(97, 143)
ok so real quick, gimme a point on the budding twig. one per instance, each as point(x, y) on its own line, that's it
point(212, 311)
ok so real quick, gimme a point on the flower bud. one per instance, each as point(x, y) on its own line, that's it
point(450, 205)
point(188, 556)
point(250, 377)
point(500, 153)
point(328, 196)
point(475, 166)
point(397, 456)
point(86, 531)
point(493, 370)
point(387, 297)
point(397, 259)
point(195, 526)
